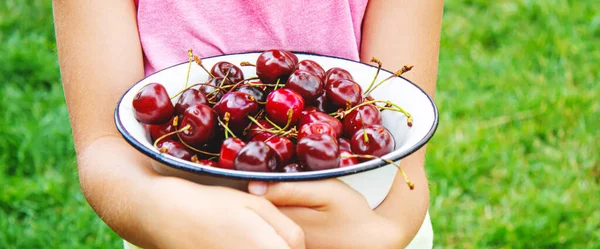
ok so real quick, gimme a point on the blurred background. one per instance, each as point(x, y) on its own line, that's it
point(514, 164)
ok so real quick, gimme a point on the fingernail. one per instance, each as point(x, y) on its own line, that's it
point(257, 188)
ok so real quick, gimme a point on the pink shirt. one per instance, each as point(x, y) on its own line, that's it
point(168, 28)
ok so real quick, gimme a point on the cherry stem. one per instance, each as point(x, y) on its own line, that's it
point(199, 62)
point(170, 134)
point(246, 64)
point(196, 150)
point(290, 113)
point(225, 78)
point(273, 124)
point(398, 73)
point(195, 159)
point(197, 84)
point(226, 125)
point(259, 85)
point(191, 57)
point(236, 85)
point(277, 84)
point(365, 137)
point(387, 103)
point(410, 184)
point(379, 64)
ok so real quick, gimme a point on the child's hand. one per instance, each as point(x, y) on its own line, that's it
point(332, 214)
point(182, 214)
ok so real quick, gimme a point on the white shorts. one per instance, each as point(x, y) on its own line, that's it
point(423, 239)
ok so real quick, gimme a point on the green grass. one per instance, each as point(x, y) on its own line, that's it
point(515, 162)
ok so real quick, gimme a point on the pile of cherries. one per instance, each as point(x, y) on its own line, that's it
point(293, 116)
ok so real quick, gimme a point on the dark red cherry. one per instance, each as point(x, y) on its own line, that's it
point(207, 162)
point(292, 168)
point(344, 144)
point(210, 91)
point(312, 67)
point(258, 94)
point(272, 65)
point(229, 150)
point(284, 148)
point(221, 68)
point(202, 121)
point(189, 98)
point(239, 105)
point(336, 73)
point(292, 56)
point(256, 156)
point(306, 111)
point(318, 152)
point(347, 161)
point(366, 114)
point(175, 149)
point(313, 117)
point(316, 128)
point(254, 130)
point(280, 101)
point(152, 104)
point(379, 143)
point(308, 85)
point(341, 92)
point(323, 105)
point(157, 131)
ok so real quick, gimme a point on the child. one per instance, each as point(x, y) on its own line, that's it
point(106, 46)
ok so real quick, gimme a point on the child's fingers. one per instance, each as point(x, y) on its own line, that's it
point(284, 226)
point(313, 194)
point(262, 235)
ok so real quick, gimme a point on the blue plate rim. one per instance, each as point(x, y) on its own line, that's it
point(246, 175)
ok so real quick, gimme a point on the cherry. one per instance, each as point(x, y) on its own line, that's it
point(342, 93)
point(256, 156)
point(188, 98)
point(157, 131)
point(344, 144)
point(308, 85)
point(318, 152)
point(312, 67)
point(207, 162)
point(210, 89)
point(236, 105)
point(292, 168)
point(202, 121)
point(347, 161)
point(379, 141)
point(336, 73)
point(258, 94)
point(284, 148)
point(316, 128)
point(273, 65)
point(313, 117)
point(229, 150)
point(220, 69)
point(253, 130)
point(279, 104)
point(152, 104)
point(366, 115)
point(174, 148)
point(307, 110)
point(292, 56)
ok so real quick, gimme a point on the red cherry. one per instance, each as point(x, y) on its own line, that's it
point(210, 91)
point(157, 131)
point(306, 111)
point(258, 94)
point(256, 156)
point(272, 65)
point(347, 161)
point(312, 67)
point(174, 148)
point(280, 101)
point(152, 104)
point(254, 130)
point(379, 143)
point(229, 150)
point(344, 144)
point(366, 114)
point(308, 85)
point(323, 105)
point(336, 73)
point(239, 105)
point(318, 152)
point(284, 148)
point(189, 98)
point(207, 162)
point(313, 117)
point(202, 121)
point(341, 92)
point(292, 168)
point(221, 68)
point(316, 128)
point(292, 56)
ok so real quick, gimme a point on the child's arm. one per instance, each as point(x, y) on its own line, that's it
point(100, 57)
point(333, 215)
